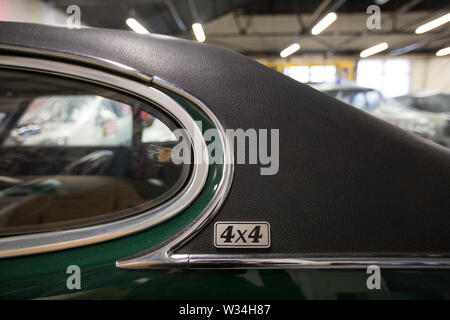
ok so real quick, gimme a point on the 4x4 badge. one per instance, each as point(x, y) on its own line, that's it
point(230, 234)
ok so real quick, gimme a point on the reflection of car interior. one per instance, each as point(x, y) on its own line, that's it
point(47, 185)
point(66, 194)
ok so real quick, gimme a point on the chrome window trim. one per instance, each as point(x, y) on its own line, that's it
point(93, 61)
point(11, 246)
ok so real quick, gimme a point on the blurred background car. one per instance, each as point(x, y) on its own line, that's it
point(430, 101)
point(430, 125)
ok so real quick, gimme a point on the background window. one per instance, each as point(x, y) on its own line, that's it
point(322, 74)
point(390, 76)
point(299, 73)
point(313, 74)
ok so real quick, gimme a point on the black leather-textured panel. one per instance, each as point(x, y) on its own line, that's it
point(348, 182)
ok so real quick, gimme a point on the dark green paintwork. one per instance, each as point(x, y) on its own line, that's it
point(107, 282)
point(44, 276)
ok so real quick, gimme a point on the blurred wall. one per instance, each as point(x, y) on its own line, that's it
point(33, 11)
point(430, 73)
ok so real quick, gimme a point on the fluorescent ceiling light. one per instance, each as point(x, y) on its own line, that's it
point(324, 23)
point(433, 24)
point(289, 50)
point(198, 32)
point(443, 52)
point(375, 49)
point(136, 26)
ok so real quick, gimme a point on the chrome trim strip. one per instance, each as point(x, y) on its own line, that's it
point(296, 261)
point(58, 240)
point(287, 261)
point(94, 61)
point(161, 255)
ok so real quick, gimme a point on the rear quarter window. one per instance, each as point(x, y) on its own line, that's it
point(74, 154)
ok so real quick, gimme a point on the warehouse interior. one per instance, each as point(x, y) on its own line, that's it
point(399, 48)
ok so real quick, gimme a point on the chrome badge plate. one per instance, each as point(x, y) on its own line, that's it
point(233, 234)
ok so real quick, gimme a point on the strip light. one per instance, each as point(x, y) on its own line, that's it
point(324, 23)
point(443, 52)
point(373, 50)
point(433, 24)
point(198, 32)
point(136, 26)
point(289, 50)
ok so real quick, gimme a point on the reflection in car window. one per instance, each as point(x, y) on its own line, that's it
point(73, 154)
point(72, 120)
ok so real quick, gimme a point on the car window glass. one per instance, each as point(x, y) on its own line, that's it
point(359, 100)
point(74, 154)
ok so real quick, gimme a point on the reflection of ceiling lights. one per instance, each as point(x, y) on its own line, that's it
point(289, 50)
point(198, 32)
point(373, 50)
point(324, 23)
point(433, 24)
point(136, 26)
point(443, 52)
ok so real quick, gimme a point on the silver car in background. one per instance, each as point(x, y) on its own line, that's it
point(430, 125)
